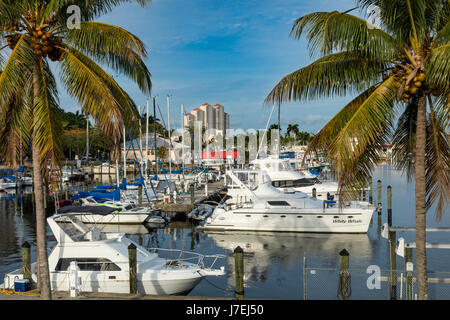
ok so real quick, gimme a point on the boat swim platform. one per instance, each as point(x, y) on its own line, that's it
point(103, 296)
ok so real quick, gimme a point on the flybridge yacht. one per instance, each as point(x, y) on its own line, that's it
point(103, 262)
point(259, 206)
point(112, 212)
point(283, 177)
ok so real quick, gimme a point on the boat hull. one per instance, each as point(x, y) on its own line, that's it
point(155, 283)
point(317, 221)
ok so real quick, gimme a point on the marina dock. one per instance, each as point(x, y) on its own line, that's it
point(104, 296)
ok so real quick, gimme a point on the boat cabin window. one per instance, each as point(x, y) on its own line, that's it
point(88, 264)
point(278, 203)
point(306, 182)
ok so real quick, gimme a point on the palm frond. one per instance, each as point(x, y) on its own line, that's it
point(438, 69)
point(404, 140)
point(17, 64)
point(115, 47)
point(336, 74)
point(371, 119)
point(329, 32)
point(405, 20)
point(98, 93)
point(437, 162)
point(90, 9)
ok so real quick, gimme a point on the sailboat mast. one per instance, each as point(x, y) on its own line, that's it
point(279, 129)
point(154, 133)
point(182, 135)
point(146, 134)
point(170, 141)
point(87, 139)
point(124, 153)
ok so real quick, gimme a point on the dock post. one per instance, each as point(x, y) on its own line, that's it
point(140, 195)
point(239, 272)
point(409, 273)
point(133, 268)
point(389, 205)
point(344, 284)
point(314, 193)
point(26, 261)
point(370, 191)
point(393, 265)
point(67, 194)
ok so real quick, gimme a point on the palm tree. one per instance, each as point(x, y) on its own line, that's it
point(36, 33)
point(292, 128)
point(400, 67)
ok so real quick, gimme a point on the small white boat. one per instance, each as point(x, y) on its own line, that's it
point(268, 209)
point(125, 212)
point(6, 183)
point(103, 264)
point(98, 214)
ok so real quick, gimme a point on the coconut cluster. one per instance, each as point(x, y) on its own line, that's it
point(401, 75)
point(413, 86)
point(12, 40)
point(44, 43)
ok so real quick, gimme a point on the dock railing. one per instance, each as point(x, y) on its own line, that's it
point(371, 283)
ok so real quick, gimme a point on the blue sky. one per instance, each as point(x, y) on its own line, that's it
point(230, 52)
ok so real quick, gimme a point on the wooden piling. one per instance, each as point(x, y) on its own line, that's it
point(393, 265)
point(389, 205)
point(132, 261)
point(370, 191)
point(26, 261)
point(344, 284)
point(314, 192)
point(239, 272)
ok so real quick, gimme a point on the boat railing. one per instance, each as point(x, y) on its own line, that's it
point(193, 257)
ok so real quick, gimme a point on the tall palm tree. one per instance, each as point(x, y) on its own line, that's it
point(398, 67)
point(292, 128)
point(34, 34)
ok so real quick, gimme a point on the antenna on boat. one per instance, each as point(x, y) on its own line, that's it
point(264, 135)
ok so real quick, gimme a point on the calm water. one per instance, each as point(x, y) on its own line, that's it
point(273, 264)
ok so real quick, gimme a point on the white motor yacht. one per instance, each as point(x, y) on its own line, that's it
point(265, 208)
point(284, 176)
point(103, 263)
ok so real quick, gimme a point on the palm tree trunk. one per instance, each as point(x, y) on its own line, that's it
point(41, 241)
point(421, 256)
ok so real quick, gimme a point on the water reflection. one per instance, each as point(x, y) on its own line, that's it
point(266, 251)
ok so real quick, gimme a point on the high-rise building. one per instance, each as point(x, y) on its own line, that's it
point(211, 117)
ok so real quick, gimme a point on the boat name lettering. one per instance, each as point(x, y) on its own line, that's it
point(347, 221)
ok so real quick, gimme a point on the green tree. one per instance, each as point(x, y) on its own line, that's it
point(401, 66)
point(37, 34)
